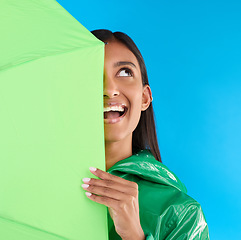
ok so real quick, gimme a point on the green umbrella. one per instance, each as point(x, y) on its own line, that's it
point(51, 123)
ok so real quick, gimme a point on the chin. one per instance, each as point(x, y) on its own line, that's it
point(118, 137)
point(109, 139)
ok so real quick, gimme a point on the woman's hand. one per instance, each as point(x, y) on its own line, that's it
point(121, 198)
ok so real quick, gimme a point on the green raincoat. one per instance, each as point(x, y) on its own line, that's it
point(166, 211)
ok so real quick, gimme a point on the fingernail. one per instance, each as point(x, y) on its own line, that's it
point(85, 185)
point(88, 194)
point(92, 169)
point(86, 180)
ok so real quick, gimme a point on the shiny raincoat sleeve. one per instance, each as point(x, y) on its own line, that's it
point(166, 211)
point(191, 225)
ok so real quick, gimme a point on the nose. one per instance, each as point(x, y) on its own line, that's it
point(110, 88)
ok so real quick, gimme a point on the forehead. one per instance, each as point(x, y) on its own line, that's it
point(116, 51)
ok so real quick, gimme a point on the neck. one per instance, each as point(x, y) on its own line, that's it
point(116, 151)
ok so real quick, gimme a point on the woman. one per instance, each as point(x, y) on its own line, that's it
point(144, 198)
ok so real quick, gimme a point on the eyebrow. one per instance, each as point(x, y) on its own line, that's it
point(117, 64)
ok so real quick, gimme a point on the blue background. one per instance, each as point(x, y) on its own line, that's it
point(193, 57)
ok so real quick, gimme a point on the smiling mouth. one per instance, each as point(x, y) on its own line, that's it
point(114, 116)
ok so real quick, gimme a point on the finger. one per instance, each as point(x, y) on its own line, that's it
point(109, 202)
point(107, 176)
point(111, 193)
point(114, 185)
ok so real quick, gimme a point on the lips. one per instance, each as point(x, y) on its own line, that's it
point(110, 104)
point(120, 114)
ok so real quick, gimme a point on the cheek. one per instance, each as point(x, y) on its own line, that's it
point(135, 101)
point(134, 95)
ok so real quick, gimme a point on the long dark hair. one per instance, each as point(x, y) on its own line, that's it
point(144, 136)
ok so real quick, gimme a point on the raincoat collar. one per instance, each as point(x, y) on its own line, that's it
point(144, 165)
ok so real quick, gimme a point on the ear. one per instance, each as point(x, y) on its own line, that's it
point(146, 97)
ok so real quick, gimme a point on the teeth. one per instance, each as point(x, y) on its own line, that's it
point(114, 108)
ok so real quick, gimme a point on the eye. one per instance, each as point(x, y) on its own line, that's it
point(125, 72)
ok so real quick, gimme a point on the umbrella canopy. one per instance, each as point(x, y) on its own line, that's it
point(51, 123)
